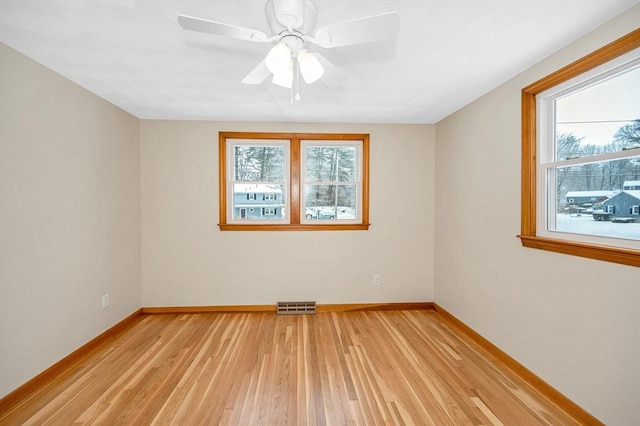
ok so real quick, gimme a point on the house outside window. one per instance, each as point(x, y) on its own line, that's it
point(633, 185)
point(581, 156)
point(282, 181)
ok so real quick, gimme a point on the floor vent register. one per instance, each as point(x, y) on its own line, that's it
point(290, 308)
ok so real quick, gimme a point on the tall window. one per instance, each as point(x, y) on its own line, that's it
point(258, 170)
point(581, 156)
point(332, 184)
point(296, 181)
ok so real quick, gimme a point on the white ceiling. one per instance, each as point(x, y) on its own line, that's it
point(448, 53)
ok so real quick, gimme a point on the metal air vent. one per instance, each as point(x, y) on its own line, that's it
point(289, 308)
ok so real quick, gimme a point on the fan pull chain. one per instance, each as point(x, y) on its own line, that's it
point(291, 91)
point(297, 85)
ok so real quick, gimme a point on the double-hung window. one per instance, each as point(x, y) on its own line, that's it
point(331, 181)
point(288, 181)
point(256, 180)
point(581, 156)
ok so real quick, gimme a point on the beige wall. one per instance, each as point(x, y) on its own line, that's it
point(187, 260)
point(573, 321)
point(69, 217)
point(74, 222)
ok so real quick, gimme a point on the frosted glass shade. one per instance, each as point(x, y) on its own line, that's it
point(279, 58)
point(310, 67)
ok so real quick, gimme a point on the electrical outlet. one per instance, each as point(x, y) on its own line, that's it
point(105, 301)
point(376, 280)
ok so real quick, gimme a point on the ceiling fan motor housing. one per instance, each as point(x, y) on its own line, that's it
point(288, 15)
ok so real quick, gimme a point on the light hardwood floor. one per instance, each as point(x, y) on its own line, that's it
point(333, 368)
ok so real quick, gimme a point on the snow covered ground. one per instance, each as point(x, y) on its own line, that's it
point(328, 212)
point(585, 224)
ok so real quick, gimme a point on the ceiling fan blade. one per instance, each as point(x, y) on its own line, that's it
point(226, 30)
point(257, 75)
point(364, 30)
point(332, 76)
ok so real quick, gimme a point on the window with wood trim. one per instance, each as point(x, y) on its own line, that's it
point(292, 181)
point(563, 171)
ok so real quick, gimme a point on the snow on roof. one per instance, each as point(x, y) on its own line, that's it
point(631, 183)
point(256, 188)
point(590, 194)
point(254, 205)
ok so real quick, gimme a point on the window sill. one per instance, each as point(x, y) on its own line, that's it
point(592, 251)
point(294, 227)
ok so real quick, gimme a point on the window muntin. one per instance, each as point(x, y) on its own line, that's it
point(531, 234)
point(331, 181)
point(238, 166)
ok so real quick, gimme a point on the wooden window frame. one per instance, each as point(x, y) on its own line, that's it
point(295, 186)
point(528, 235)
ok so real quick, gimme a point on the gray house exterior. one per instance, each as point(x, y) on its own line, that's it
point(258, 202)
point(623, 204)
point(582, 197)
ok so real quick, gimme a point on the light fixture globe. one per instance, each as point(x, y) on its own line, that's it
point(284, 77)
point(310, 67)
point(280, 61)
point(278, 58)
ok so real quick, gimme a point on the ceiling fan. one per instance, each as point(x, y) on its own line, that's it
point(292, 23)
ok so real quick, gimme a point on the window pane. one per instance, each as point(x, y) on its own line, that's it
point(601, 118)
point(330, 164)
point(330, 201)
point(259, 163)
point(258, 202)
point(599, 198)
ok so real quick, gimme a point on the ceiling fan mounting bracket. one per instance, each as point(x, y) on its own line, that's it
point(302, 18)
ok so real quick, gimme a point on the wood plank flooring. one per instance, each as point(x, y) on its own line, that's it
point(335, 368)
